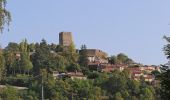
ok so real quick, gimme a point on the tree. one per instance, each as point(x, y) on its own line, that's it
point(10, 57)
point(9, 93)
point(83, 60)
point(13, 47)
point(57, 63)
point(73, 67)
point(164, 78)
point(113, 60)
point(122, 57)
point(25, 63)
point(70, 54)
point(31, 47)
point(156, 73)
point(2, 66)
point(167, 47)
point(118, 96)
point(134, 87)
point(5, 16)
point(116, 83)
point(40, 58)
point(24, 46)
point(146, 94)
point(10, 61)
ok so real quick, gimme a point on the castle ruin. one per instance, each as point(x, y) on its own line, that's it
point(65, 38)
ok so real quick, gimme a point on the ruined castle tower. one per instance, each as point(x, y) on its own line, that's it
point(65, 38)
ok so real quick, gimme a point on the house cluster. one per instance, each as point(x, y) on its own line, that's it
point(98, 61)
point(144, 71)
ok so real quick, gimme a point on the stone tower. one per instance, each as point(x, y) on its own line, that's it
point(65, 38)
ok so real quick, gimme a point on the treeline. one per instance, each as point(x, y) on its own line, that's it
point(32, 65)
point(107, 86)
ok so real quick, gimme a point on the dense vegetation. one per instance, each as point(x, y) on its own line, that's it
point(164, 78)
point(34, 66)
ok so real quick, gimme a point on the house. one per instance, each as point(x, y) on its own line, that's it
point(137, 72)
point(110, 67)
point(76, 75)
point(149, 78)
point(72, 75)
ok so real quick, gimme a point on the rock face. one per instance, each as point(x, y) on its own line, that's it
point(65, 38)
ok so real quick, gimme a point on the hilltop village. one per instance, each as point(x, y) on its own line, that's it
point(33, 71)
point(98, 60)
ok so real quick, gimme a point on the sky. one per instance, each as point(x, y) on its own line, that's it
point(133, 27)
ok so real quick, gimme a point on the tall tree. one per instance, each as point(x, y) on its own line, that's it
point(5, 16)
point(2, 66)
point(25, 63)
point(57, 63)
point(24, 46)
point(165, 80)
point(70, 54)
point(83, 60)
point(40, 58)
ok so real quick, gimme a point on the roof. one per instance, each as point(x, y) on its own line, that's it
point(78, 74)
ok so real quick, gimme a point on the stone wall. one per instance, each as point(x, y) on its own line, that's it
point(65, 38)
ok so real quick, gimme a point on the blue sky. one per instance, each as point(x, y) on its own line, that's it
point(134, 27)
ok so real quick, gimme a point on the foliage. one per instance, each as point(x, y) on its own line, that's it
point(120, 59)
point(164, 77)
point(2, 66)
point(9, 93)
point(83, 61)
point(5, 16)
point(32, 65)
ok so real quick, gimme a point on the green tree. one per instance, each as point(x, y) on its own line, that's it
point(40, 58)
point(57, 63)
point(122, 57)
point(126, 95)
point(118, 96)
point(24, 46)
point(31, 47)
point(113, 60)
point(25, 63)
point(10, 61)
point(116, 83)
point(70, 54)
point(5, 16)
point(146, 94)
point(9, 93)
point(164, 78)
point(10, 57)
point(156, 73)
point(13, 47)
point(83, 60)
point(73, 67)
point(2, 66)
point(134, 87)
